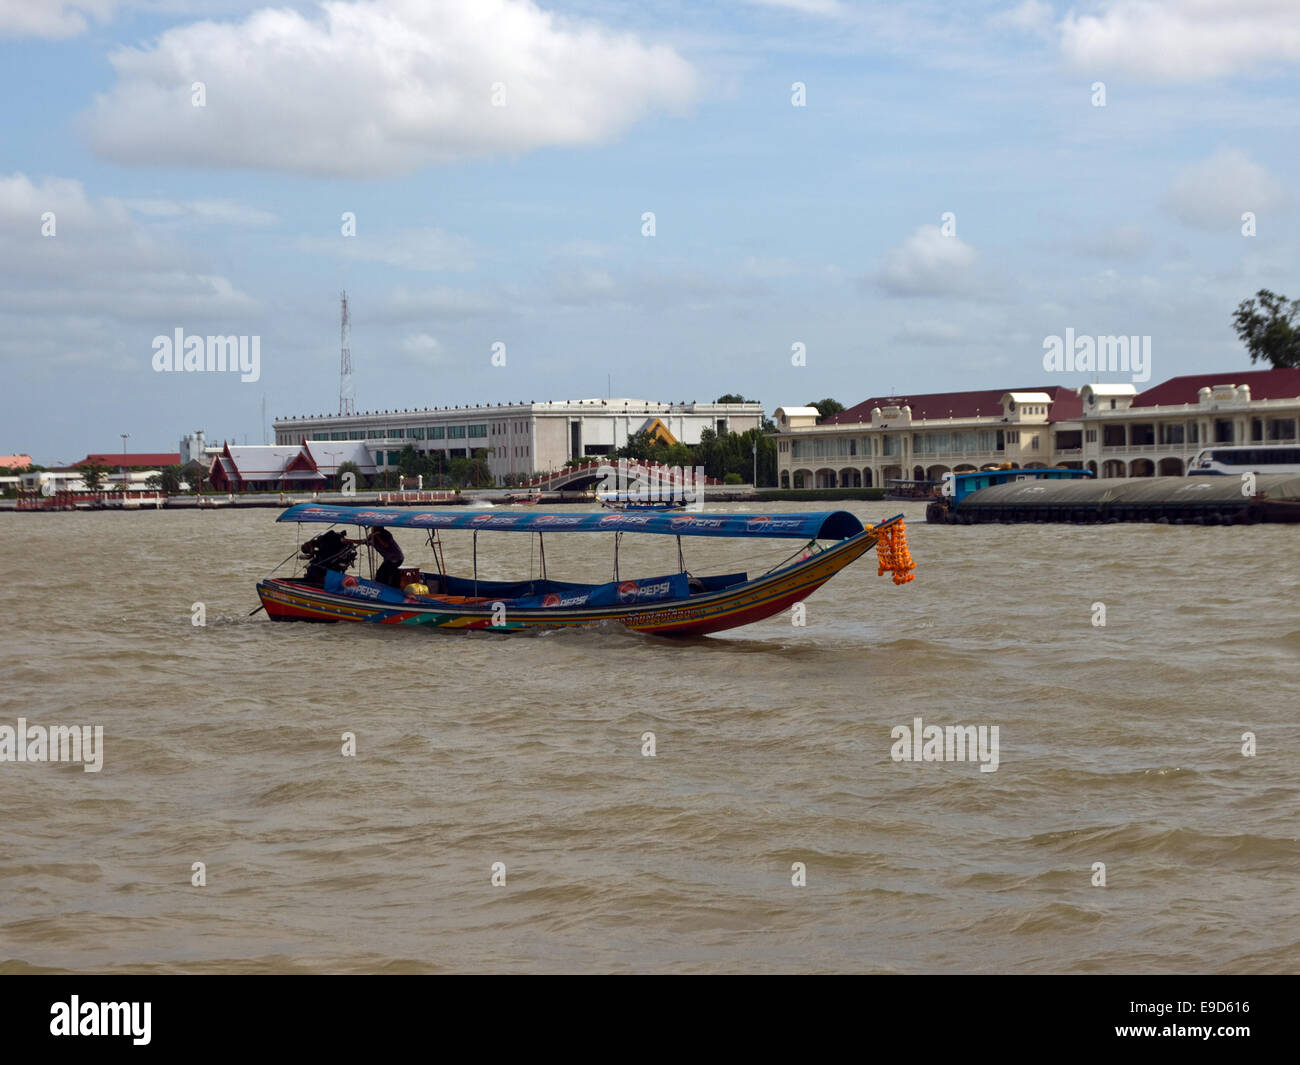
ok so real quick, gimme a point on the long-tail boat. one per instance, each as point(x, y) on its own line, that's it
point(672, 604)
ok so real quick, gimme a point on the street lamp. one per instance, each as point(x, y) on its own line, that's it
point(755, 463)
point(124, 437)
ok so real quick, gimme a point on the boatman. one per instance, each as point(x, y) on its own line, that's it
point(386, 544)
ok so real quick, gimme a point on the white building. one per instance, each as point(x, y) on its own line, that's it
point(1158, 432)
point(520, 438)
point(50, 481)
point(193, 448)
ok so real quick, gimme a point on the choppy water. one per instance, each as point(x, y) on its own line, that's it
point(1119, 745)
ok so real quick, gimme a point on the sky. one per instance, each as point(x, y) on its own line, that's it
point(789, 199)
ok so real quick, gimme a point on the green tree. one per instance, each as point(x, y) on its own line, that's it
point(674, 455)
point(479, 469)
point(766, 454)
point(734, 397)
point(92, 475)
point(827, 407)
point(640, 446)
point(409, 461)
point(352, 468)
point(1270, 329)
point(169, 479)
point(458, 472)
point(435, 470)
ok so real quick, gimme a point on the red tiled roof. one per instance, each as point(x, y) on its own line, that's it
point(1264, 384)
point(9, 462)
point(132, 458)
point(1066, 404)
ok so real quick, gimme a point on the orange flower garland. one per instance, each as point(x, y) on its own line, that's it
point(892, 554)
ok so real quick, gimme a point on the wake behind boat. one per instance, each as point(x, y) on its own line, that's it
point(676, 604)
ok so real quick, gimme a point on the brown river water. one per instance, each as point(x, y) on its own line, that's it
point(1119, 744)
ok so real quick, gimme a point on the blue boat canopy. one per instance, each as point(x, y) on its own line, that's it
point(828, 525)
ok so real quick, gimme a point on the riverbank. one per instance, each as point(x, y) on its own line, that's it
point(471, 497)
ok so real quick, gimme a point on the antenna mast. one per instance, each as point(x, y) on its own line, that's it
point(347, 399)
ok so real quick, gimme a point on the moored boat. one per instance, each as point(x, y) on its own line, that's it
point(957, 486)
point(898, 490)
point(677, 603)
point(639, 503)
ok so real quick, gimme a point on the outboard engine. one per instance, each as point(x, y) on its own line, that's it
point(328, 551)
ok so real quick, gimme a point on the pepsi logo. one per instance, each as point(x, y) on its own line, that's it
point(349, 582)
point(551, 600)
point(627, 591)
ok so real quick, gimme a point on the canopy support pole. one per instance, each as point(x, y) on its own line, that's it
point(541, 545)
point(617, 537)
point(435, 545)
point(475, 563)
point(370, 551)
point(681, 559)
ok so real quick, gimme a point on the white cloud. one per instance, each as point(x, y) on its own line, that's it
point(928, 264)
point(583, 286)
point(1031, 16)
point(414, 249)
point(418, 343)
point(219, 212)
point(768, 269)
point(584, 249)
point(1117, 242)
point(655, 293)
point(1214, 193)
point(1183, 40)
point(99, 261)
point(930, 332)
point(70, 18)
point(439, 303)
point(369, 89)
point(805, 7)
point(50, 18)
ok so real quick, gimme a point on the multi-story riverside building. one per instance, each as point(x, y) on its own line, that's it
point(1111, 429)
point(521, 438)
